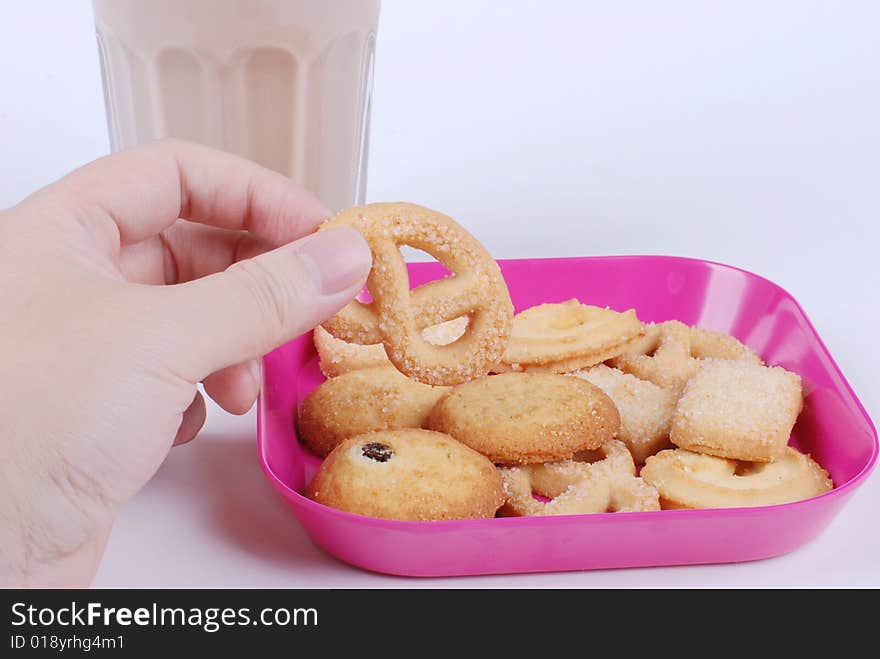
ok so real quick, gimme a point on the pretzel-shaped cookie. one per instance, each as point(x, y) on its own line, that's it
point(594, 482)
point(669, 353)
point(397, 315)
point(590, 494)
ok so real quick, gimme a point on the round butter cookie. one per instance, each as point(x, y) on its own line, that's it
point(363, 401)
point(524, 418)
point(414, 475)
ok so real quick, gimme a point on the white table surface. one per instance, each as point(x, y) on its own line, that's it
point(743, 132)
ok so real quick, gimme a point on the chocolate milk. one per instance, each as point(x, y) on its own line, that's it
point(283, 82)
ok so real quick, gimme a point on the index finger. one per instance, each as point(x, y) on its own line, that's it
point(143, 191)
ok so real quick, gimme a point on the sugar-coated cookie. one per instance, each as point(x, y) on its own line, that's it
point(520, 418)
point(645, 409)
point(363, 401)
point(336, 356)
point(737, 409)
point(414, 475)
point(593, 482)
point(588, 495)
point(397, 314)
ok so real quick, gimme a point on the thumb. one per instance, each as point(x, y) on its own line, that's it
point(261, 303)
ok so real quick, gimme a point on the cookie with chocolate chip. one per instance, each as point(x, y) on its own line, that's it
point(412, 475)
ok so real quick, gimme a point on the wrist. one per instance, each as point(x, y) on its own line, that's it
point(49, 534)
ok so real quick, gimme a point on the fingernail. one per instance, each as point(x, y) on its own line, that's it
point(337, 259)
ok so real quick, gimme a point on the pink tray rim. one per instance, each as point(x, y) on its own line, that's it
point(600, 518)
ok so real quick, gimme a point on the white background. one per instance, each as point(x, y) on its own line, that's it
point(743, 132)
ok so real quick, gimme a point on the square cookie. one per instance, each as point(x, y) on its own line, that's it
point(737, 409)
point(645, 409)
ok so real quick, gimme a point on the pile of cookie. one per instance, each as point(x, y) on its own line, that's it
point(441, 404)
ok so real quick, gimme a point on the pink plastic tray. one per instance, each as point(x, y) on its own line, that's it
point(834, 428)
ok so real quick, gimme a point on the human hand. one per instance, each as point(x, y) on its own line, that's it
point(113, 310)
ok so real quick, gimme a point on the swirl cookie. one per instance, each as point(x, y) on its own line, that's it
point(670, 353)
point(336, 356)
point(691, 480)
point(645, 409)
point(738, 410)
point(397, 315)
point(363, 401)
point(565, 337)
point(414, 475)
point(520, 418)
